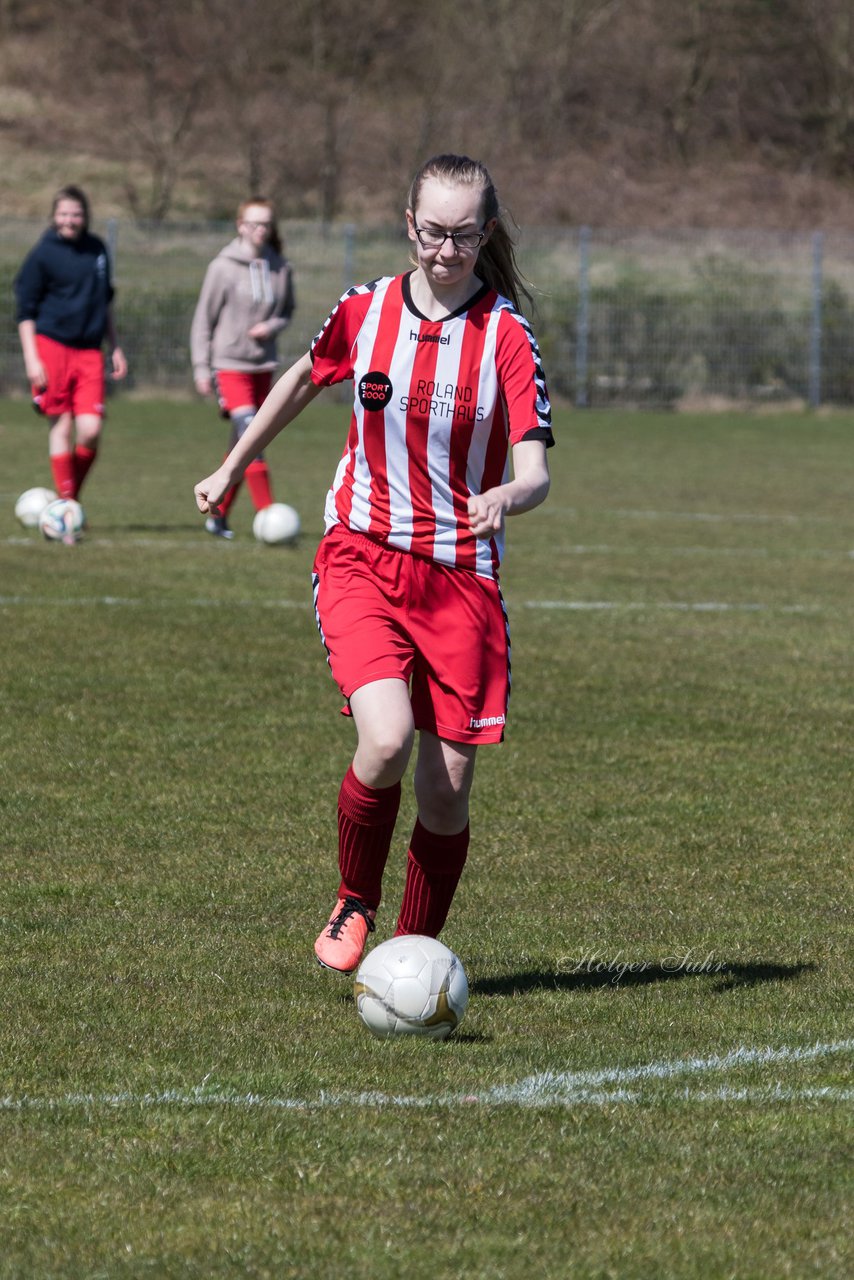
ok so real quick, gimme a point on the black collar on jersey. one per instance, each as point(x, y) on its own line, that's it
point(460, 311)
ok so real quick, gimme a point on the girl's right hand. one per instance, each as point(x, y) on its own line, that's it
point(211, 491)
point(36, 375)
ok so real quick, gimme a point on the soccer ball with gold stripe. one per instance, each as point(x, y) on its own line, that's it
point(411, 986)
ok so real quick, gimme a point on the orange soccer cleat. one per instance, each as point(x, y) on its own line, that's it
point(342, 942)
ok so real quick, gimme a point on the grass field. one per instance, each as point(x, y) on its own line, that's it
point(652, 1079)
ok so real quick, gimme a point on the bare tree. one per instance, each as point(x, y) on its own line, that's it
point(695, 71)
point(792, 65)
point(829, 107)
point(350, 47)
point(146, 67)
point(291, 83)
point(330, 107)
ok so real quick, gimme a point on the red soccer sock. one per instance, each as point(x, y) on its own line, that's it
point(228, 498)
point(366, 818)
point(64, 477)
point(433, 869)
point(258, 483)
point(84, 456)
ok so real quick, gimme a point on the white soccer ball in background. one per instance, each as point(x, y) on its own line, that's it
point(63, 520)
point(31, 504)
point(411, 986)
point(276, 524)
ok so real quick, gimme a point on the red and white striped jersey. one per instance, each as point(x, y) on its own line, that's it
point(437, 405)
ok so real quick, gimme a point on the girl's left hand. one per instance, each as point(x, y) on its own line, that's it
point(486, 514)
point(119, 363)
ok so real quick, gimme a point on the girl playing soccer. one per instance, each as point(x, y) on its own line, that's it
point(448, 381)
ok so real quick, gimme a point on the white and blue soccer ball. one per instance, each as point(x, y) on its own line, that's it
point(276, 524)
point(411, 986)
point(31, 504)
point(63, 520)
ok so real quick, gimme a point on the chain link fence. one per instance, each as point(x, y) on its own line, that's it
point(624, 318)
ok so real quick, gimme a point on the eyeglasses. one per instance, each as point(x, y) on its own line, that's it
point(429, 238)
point(256, 225)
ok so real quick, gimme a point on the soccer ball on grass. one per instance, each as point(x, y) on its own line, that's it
point(276, 524)
point(31, 504)
point(63, 520)
point(411, 986)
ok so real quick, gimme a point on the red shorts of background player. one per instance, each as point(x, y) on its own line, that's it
point(75, 380)
point(235, 390)
point(385, 614)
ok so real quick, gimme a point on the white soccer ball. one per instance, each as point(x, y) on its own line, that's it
point(276, 524)
point(411, 986)
point(63, 520)
point(31, 504)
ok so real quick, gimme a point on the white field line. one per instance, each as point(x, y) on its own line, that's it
point(701, 517)
point(675, 606)
point(768, 554)
point(719, 517)
point(697, 550)
point(641, 1084)
point(551, 510)
point(207, 545)
point(565, 1087)
point(163, 602)
point(569, 606)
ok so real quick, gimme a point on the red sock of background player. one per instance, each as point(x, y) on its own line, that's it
point(257, 477)
point(433, 869)
point(84, 457)
point(366, 818)
point(62, 467)
point(228, 498)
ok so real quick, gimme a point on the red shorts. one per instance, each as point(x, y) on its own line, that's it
point(235, 390)
point(385, 614)
point(75, 380)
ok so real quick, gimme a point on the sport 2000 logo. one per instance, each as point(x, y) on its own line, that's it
point(375, 390)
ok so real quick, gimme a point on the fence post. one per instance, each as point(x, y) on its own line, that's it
point(815, 325)
point(112, 242)
point(583, 320)
point(349, 255)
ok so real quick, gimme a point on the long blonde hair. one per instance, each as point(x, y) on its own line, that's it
point(496, 263)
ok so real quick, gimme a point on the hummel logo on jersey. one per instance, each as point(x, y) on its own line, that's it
point(375, 390)
point(430, 337)
point(486, 722)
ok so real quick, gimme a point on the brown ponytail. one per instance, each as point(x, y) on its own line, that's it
point(496, 263)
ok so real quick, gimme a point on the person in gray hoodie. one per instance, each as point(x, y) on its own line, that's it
point(247, 299)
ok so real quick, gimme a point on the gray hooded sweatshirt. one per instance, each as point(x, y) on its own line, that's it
point(240, 290)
